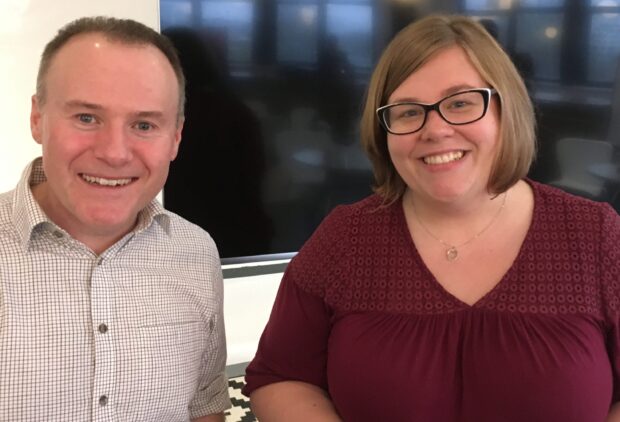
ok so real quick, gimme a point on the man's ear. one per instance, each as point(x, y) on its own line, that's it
point(35, 119)
point(177, 138)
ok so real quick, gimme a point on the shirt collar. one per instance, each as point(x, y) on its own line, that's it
point(28, 215)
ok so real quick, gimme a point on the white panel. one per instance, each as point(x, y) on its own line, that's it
point(247, 305)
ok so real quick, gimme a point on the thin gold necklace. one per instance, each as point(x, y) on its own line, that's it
point(452, 252)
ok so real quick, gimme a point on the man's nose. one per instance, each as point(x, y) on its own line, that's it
point(113, 145)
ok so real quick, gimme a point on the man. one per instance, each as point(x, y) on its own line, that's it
point(110, 306)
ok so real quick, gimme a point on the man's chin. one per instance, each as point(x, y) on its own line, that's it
point(111, 222)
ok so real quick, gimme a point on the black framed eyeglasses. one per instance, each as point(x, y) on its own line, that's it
point(457, 109)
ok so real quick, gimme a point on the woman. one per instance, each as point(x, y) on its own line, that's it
point(460, 291)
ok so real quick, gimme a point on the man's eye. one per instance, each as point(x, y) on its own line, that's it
point(86, 118)
point(144, 126)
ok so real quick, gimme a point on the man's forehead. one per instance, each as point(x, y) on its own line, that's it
point(97, 53)
point(93, 60)
point(99, 41)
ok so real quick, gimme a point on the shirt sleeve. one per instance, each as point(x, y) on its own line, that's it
point(293, 345)
point(212, 394)
point(610, 264)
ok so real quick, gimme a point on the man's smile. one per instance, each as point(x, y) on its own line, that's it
point(105, 181)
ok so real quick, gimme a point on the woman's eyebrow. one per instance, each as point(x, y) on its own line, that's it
point(445, 93)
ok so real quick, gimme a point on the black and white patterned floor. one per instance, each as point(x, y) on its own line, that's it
point(240, 410)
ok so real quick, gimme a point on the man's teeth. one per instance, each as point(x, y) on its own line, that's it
point(105, 182)
point(443, 158)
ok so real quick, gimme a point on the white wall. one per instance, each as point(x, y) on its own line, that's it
point(25, 27)
point(247, 304)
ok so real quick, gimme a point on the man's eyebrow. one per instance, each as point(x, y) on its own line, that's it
point(82, 104)
point(150, 114)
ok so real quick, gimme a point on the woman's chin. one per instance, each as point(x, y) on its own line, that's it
point(446, 194)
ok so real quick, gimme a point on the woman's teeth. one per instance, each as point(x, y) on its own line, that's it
point(443, 158)
point(105, 182)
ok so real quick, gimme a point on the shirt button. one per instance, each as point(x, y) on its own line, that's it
point(103, 400)
point(103, 328)
point(58, 234)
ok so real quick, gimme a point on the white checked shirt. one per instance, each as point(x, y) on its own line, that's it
point(135, 334)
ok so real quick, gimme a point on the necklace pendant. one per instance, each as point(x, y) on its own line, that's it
point(452, 253)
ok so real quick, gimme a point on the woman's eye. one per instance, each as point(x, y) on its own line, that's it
point(411, 112)
point(459, 104)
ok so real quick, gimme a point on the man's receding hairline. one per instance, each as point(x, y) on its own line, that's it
point(127, 32)
point(111, 38)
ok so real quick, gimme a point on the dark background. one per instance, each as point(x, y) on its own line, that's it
point(275, 91)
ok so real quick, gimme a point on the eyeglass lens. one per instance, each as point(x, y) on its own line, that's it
point(457, 109)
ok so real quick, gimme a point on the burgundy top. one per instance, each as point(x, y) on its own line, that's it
point(360, 315)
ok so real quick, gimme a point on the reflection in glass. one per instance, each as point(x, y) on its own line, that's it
point(605, 3)
point(295, 73)
point(578, 160)
point(235, 19)
point(352, 26)
point(175, 13)
point(488, 4)
point(540, 36)
point(542, 3)
point(604, 47)
point(297, 33)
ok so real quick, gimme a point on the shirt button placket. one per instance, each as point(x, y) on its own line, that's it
point(102, 297)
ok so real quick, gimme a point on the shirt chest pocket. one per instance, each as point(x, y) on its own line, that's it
point(167, 344)
point(167, 360)
point(173, 334)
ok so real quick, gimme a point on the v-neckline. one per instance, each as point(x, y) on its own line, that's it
point(506, 277)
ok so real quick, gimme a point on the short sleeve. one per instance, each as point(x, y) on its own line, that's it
point(293, 345)
point(610, 276)
point(212, 394)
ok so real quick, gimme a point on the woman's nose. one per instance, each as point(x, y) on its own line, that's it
point(435, 126)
